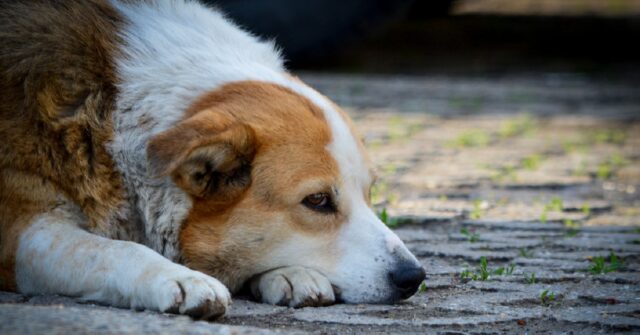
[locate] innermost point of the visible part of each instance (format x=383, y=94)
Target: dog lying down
x=155, y=156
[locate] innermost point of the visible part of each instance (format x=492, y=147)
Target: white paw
x=293, y=286
x=183, y=291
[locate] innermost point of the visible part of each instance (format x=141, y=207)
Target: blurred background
x=505, y=129
x=448, y=36
x=504, y=103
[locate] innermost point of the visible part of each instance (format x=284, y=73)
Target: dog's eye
x=320, y=202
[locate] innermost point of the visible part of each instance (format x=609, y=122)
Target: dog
x=155, y=156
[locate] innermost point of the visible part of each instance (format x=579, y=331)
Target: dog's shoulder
x=57, y=80
x=56, y=54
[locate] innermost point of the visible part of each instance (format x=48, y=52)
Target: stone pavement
x=519, y=195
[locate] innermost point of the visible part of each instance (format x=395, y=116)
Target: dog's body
x=136, y=130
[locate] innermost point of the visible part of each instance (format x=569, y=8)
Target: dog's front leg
x=293, y=286
x=56, y=256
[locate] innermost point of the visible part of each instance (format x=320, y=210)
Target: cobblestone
x=539, y=176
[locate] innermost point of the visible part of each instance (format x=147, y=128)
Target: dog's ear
x=206, y=159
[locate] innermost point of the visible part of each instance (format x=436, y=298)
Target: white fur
x=294, y=286
x=56, y=256
x=174, y=52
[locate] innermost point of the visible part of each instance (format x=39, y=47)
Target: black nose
x=407, y=278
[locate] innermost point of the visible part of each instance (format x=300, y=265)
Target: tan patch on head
x=289, y=162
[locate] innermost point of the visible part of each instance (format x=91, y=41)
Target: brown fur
x=290, y=137
x=57, y=87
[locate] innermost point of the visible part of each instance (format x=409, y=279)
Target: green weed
x=525, y=253
x=547, y=297
x=401, y=129
x=508, y=271
x=523, y=125
x=571, y=146
x=391, y=222
x=472, y=138
x=543, y=217
x=392, y=197
x=504, y=172
x=483, y=272
x=476, y=212
x=390, y=168
x=572, y=228
x=554, y=205
x=572, y=232
x=617, y=160
x=397, y=129
x=568, y=223
x=380, y=193
x=610, y=136
x=586, y=209
x=604, y=171
x=378, y=190
x=600, y=265
x=465, y=274
x=423, y=287
x=607, y=168
x=413, y=128
x=532, y=162
x=473, y=237
x=530, y=279
x=375, y=143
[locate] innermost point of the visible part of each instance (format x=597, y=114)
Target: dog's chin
x=384, y=295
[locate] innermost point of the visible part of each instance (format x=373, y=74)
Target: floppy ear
x=205, y=160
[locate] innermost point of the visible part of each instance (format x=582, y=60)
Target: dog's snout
x=407, y=277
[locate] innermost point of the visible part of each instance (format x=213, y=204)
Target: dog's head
x=278, y=178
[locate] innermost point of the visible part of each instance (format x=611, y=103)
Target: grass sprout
x=473, y=237
x=391, y=222
x=530, y=278
x=547, y=297
x=423, y=287
x=484, y=273
x=600, y=265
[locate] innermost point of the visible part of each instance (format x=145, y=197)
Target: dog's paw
x=184, y=291
x=293, y=286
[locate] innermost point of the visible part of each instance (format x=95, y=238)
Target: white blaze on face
x=368, y=250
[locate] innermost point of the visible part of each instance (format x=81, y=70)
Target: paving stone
x=59, y=319
x=515, y=225
x=246, y=308
x=542, y=173
x=8, y=297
